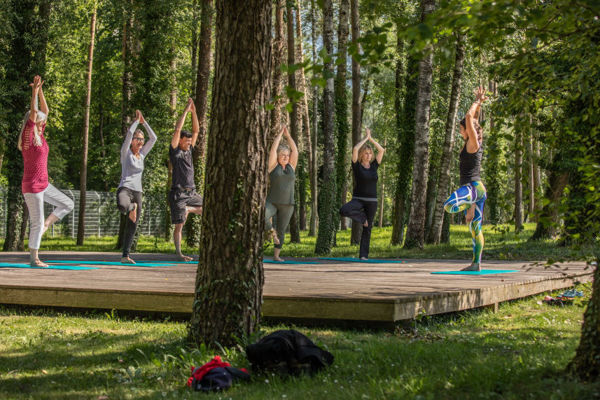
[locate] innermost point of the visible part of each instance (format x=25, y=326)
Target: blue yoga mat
x=482, y=272
x=288, y=262
x=111, y=263
x=358, y=260
x=66, y=267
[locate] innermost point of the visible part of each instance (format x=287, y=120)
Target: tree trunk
x=415, y=232
x=537, y=178
x=446, y=161
x=230, y=266
x=382, y=191
x=341, y=107
x=405, y=117
x=314, y=186
x=518, y=184
x=201, y=101
x=327, y=207
x=86, y=131
x=586, y=363
x=547, y=225
x=291, y=60
x=26, y=57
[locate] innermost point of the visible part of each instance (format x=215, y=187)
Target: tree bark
x=382, y=191
x=294, y=128
x=86, y=131
x=447, y=150
x=327, y=193
x=415, y=232
x=547, y=225
x=314, y=186
x=341, y=107
x=201, y=101
x=230, y=274
x=518, y=143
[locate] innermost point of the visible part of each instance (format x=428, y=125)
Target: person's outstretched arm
x=273, y=153
x=179, y=126
x=471, y=117
x=358, y=145
x=195, y=124
x=43, y=105
x=293, y=148
x=380, y=149
x=129, y=135
x=35, y=89
x=151, y=136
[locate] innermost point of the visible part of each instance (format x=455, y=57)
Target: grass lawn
x=517, y=353
x=501, y=244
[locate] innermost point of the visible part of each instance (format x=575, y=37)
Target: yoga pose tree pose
x=183, y=198
x=280, y=199
x=363, y=206
x=471, y=194
x=129, y=193
x=35, y=186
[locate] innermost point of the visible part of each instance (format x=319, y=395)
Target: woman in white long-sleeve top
x=129, y=193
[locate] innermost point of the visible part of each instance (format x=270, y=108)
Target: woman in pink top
x=35, y=186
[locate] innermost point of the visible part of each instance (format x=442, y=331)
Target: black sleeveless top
x=470, y=165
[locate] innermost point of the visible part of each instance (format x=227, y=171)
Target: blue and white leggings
x=465, y=197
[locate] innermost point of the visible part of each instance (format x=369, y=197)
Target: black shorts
x=179, y=200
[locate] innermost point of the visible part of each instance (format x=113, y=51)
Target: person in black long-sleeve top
x=363, y=206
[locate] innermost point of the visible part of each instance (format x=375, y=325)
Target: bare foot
x=279, y=259
x=364, y=258
x=275, y=238
x=184, y=257
x=470, y=214
x=366, y=224
x=127, y=260
x=133, y=213
x=38, y=263
x=472, y=267
x=44, y=229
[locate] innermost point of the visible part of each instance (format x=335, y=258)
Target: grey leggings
x=283, y=213
x=125, y=199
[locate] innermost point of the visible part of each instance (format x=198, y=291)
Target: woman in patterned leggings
x=471, y=194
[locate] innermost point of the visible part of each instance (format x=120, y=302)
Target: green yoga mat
x=358, y=260
x=288, y=262
x=482, y=272
x=111, y=263
x=65, y=267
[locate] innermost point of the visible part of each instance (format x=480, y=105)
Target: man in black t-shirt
x=183, y=198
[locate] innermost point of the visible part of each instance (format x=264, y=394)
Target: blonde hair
x=37, y=140
x=362, y=150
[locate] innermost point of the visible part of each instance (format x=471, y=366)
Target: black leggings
x=361, y=211
x=125, y=199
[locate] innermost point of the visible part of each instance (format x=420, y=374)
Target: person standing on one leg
x=35, y=186
x=129, y=193
x=183, y=198
x=471, y=195
x=282, y=178
x=363, y=206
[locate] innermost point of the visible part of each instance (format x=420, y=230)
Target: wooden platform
x=325, y=291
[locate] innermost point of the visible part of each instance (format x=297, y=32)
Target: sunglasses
x=139, y=139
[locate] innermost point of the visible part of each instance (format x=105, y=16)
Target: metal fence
x=102, y=217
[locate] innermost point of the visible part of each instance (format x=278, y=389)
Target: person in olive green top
x=280, y=199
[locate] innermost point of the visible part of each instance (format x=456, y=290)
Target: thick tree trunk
x=314, y=186
x=382, y=191
x=86, y=131
x=201, y=101
x=415, y=232
x=518, y=184
x=586, y=363
x=494, y=182
x=327, y=205
x=26, y=57
x=341, y=107
x=405, y=117
x=547, y=225
x=230, y=267
x=294, y=128
x=537, y=178
x=446, y=161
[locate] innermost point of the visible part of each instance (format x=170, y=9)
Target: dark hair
x=463, y=123
x=185, y=134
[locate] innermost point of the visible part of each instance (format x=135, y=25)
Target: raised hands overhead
x=480, y=94
x=139, y=117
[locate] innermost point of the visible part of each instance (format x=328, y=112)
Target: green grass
x=501, y=244
x=517, y=353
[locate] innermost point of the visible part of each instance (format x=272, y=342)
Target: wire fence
x=102, y=218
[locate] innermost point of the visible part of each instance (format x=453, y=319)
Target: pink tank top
x=35, y=161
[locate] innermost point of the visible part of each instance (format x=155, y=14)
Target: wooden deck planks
x=338, y=291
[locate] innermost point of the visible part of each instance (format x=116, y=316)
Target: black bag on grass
x=288, y=352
